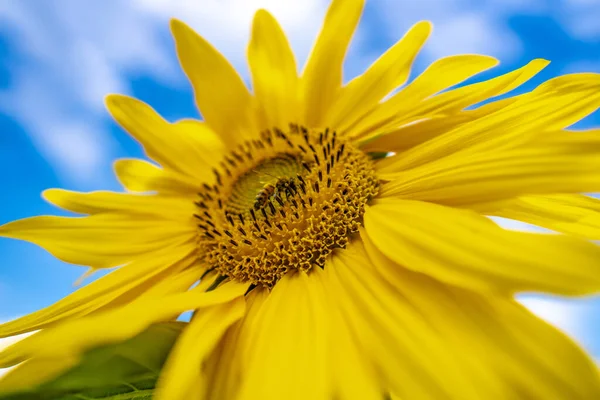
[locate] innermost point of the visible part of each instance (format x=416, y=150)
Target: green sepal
x=378, y=155
x=122, y=371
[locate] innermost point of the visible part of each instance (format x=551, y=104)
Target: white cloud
x=582, y=22
x=80, y=147
x=530, y=6
x=226, y=23
x=466, y=26
x=460, y=26
x=471, y=32
x=72, y=142
x=72, y=53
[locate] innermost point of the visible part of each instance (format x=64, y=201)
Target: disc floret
x=283, y=203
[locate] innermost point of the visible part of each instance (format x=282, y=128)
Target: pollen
x=281, y=203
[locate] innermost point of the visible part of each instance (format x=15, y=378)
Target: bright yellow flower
x=325, y=272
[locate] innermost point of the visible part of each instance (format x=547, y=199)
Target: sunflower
x=333, y=240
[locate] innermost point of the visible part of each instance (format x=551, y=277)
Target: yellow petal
x=407, y=353
x=502, y=348
x=160, y=207
x=463, y=248
x=32, y=373
x=449, y=104
x=74, y=337
x=204, y=144
x=225, y=369
x=100, y=241
x=170, y=145
x=458, y=99
x=416, y=133
x=118, y=287
x=274, y=73
x=348, y=372
x=574, y=214
x=182, y=373
x=142, y=176
x=440, y=75
x=554, y=105
x=322, y=76
x=288, y=352
x=354, y=376
x=411, y=135
x=220, y=93
x=386, y=74
x=181, y=281
x=556, y=162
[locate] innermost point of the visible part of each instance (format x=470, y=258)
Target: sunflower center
x=264, y=183
x=283, y=203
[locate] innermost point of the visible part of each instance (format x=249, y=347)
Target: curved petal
x=204, y=143
x=34, y=372
x=290, y=325
x=159, y=207
x=386, y=74
x=274, y=73
x=503, y=350
x=413, y=134
x=440, y=75
x=26, y=375
x=554, y=105
x=118, y=324
x=171, y=145
x=406, y=353
x=449, y=104
x=573, y=214
x=225, y=368
x=220, y=93
x=354, y=372
x=556, y=162
x=75, y=337
x=182, y=373
x=322, y=76
x=408, y=136
x=463, y=248
x=142, y=176
x=115, y=289
x=103, y=240
x=458, y=99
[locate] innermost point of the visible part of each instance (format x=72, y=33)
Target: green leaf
x=122, y=371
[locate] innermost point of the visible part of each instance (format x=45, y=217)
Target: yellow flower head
x=317, y=268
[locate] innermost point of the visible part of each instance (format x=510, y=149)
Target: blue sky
x=58, y=59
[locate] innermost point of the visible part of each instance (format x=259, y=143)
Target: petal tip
x=9, y=230
x=493, y=61
x=262, y=13
x=426, y=25
x=541, y=61
x=50, y=194
x=182, y=33
x=120, y=164
x=177, y=26
x=114, y=99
